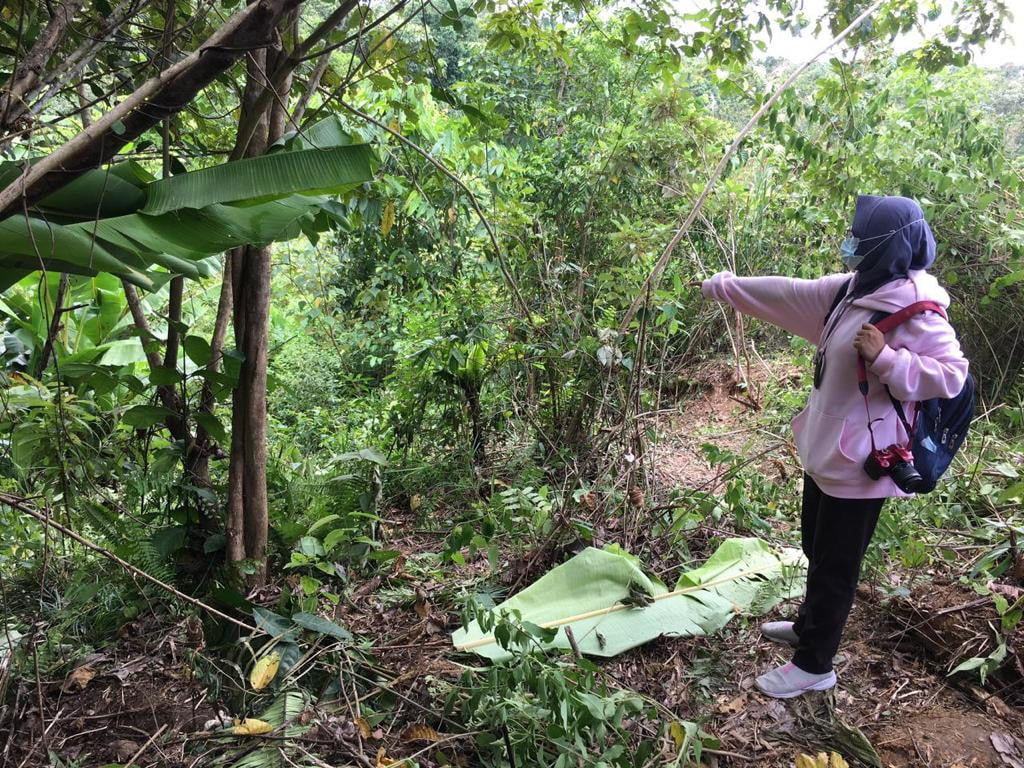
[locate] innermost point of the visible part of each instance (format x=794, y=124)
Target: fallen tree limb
x=652, y=279
x=21, y=505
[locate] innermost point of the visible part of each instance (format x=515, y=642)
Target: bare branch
x=27, y=73
x=22, y=505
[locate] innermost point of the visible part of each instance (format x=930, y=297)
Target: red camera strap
x=885, y=325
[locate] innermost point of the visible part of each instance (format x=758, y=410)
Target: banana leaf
x=22, y=236
x=278, y=174
x=612, y=605
x=122, y=221
x=273, y=753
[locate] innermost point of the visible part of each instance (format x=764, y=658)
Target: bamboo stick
x=614, y=608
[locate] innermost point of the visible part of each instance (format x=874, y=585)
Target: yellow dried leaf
x=420, y=733
x=250, y=726
x=806, y=761
x=837, y=761
x=383, y=761
x=675, y=729
x=364, y=727
x=264, y=671
x=79, y=678
x=387, y=219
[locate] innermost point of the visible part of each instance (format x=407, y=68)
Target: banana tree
x=121, y=221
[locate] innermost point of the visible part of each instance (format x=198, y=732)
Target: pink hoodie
x=921, y=360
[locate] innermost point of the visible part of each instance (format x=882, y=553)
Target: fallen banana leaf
x=282, y=718
x=596, y=593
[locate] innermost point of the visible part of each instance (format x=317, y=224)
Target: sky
x=797, y=49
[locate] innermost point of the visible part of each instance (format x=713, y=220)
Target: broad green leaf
x=213, y=427
x=365, y=454
x=270, y=622
x=123, y=352
x=144, y=416
x=167, y=541
x=198, y=349
x=25, y=242
x=598, y=592
x=277, y=174
x=98, y=193
x=162, y=376
x=323, y=626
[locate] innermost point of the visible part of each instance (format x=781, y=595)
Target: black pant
x=835, y=534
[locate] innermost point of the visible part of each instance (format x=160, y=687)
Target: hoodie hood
x=894, y=239
x=896, y=294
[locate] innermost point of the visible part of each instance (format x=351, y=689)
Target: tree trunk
x=236, y=465
x=250, y=285
x=197, y=464
x=256, y=294
x=264, y=119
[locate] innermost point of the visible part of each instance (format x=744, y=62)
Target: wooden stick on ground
x=22, y=506
x=652, y=279
x=145, y=746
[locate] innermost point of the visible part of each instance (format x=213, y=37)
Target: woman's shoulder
x=927, y=287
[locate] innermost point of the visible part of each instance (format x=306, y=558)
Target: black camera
x=898, y=462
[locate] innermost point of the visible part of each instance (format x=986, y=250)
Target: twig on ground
x=19, y=504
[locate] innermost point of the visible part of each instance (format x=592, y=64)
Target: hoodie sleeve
x=927, y=361
x=798, y=306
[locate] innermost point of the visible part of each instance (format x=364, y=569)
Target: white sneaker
x=781, y=632
x=789, y=680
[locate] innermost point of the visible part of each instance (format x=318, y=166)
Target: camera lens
x=906, y=477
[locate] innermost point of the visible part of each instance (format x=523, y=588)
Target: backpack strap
x=885, y=323
x=889, y=322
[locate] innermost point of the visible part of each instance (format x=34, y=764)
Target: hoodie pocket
x=826, y=445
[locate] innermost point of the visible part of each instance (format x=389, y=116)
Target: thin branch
x=160, y=96
x=28, y=72
x=22, y=506
x=351, y=38
x=655, y=275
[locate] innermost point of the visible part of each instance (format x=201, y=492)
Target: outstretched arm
x=798, y=306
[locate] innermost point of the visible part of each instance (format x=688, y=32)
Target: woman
x=889, y=248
